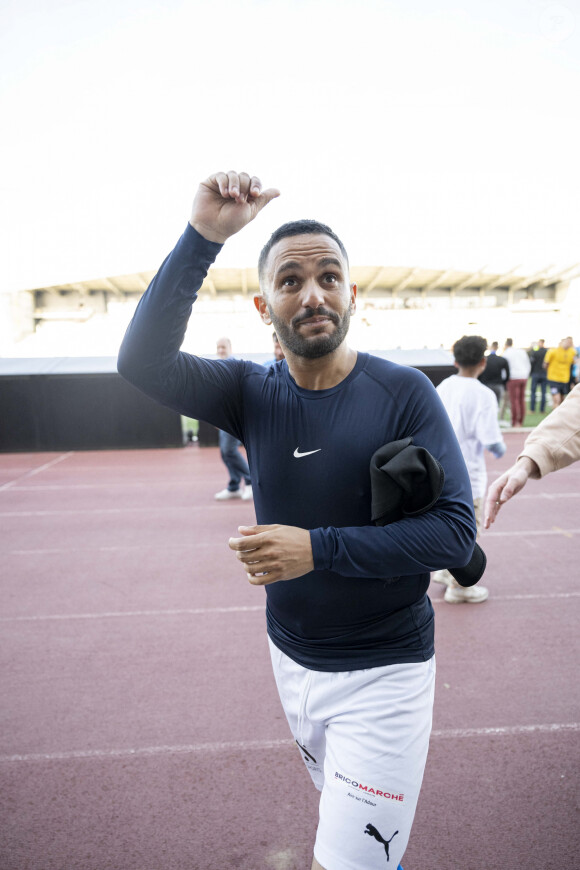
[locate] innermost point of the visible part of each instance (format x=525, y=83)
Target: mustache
x=321, y=311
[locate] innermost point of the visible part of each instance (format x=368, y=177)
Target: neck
x=322, y=373
x=469, y=372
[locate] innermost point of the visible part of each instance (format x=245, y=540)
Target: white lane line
x=229, y=746
x=508, y=731
x=193, y=611
x=209, y=508
x=163, y=483
x=51, y=551
x=551, y=496
x=81, y=487
x=494, y=473
x=12, y=483
x=539, y=596
x=188, y=509
x=131, y=485
x=261, y=745
x=524, y=532
x=193, y=545
x=203, y=611
x=113, y=484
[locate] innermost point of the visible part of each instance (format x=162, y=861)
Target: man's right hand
x=226, y=202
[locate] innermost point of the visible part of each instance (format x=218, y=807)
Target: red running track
x=140, y=727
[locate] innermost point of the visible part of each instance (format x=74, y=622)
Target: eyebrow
x=330, y=261
x=290, y=266
x=293, y=265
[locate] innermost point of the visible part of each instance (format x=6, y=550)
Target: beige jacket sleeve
x=555, y=442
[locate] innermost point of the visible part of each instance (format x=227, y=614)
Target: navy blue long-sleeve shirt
x=365, y=602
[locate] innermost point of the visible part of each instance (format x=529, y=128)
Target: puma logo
x=307, y=755
x=372, y=831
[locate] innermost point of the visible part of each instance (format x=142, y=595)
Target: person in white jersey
x=472, y=409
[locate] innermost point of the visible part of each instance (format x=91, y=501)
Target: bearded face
x=311, y=346
x=307, y=295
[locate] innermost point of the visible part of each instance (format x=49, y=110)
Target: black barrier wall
x=79, y=410
x=84, y=404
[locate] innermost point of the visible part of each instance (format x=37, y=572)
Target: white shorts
x=364, y=737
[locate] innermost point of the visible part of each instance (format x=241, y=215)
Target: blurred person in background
x=520, y=366
x=539, y=376
x=574, y=379
x=235, y=463
x=496, y=373
x=558, y=364
x=278, y=351
x=472, y=410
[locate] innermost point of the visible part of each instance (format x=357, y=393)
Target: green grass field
x=189, y=425
x=532, y=417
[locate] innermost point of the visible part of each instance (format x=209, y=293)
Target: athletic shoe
x=466, y=594
x=225, y=494
x=247, y=493
x=442, y=577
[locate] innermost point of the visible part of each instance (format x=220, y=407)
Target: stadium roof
x=375, y=280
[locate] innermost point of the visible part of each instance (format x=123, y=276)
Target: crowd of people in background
x=554, y=370
x=468, y=397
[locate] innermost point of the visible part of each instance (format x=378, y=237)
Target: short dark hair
x=303, y=227
x=469, y=350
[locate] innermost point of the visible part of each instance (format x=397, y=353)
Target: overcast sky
x=425, y=133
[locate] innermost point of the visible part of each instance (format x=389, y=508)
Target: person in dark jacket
x=496, y=373
x=539, y=374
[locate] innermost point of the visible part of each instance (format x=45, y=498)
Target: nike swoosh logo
x=298, y=455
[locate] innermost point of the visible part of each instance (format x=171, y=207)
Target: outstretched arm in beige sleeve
x=554, y=444
x=507, y=485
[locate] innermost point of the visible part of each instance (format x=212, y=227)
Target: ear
x=262, y=308
x=353, y=289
